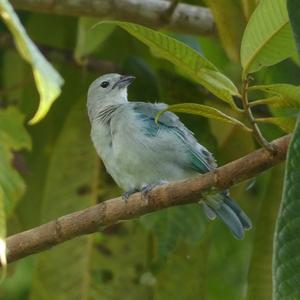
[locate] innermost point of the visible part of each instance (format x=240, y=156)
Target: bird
x=140, y=152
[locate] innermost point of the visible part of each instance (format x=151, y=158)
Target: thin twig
x=256, y=131
x=112, y=211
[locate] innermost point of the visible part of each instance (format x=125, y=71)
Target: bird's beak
x=124, y=81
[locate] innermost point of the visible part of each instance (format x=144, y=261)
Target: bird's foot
x=147, y=188
x=126, y=195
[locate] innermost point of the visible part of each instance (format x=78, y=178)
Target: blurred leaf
x=186, y=59
x=48, y=81
x=293, y=7
x=260, y=269
x=89, y=38
x=92, y=265
x=230, y=21
x=148, y=86
x=13, y=136
x=18, y=282
x=172, y=225
x=249, y=7
x=185, y=273
x=287, y=240
x=285, y=123
x=202, y=110
x=267, y=38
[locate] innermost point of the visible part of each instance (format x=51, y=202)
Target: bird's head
x=108, y=89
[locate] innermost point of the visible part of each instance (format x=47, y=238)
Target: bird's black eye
x=104, y=84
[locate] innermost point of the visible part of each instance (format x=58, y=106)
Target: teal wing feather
x=200, y=159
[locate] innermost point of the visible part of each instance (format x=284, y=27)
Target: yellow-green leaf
x=204, y=111
x=285, y=123
x=47, y=79
x=284, y=95
x=185, y=58
x=267, y=38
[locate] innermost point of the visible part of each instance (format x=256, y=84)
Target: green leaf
x=190, y=262
x=230, y=21
x=284, y=95
x=186, y=59
x=48, y=81
x=173, y=225
x=293, y=7
x=202, y=110
x=101, y=265
x=260, y=269
x=89, y=37
x=287, y=239
x=267, y=38
x=13, y=136
x=285, y=123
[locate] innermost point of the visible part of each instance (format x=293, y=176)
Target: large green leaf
x=267, y=38
x=186, y=59
x=48, y=81
x=188, y=261
x=260, y=269
x=89, y=38
x=98, y=266
x=287, y=239
x=173, y=225
x=203, y=110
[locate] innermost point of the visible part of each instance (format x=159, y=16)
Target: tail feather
x=208, y=211
x=221, y=205
x=245, y=220
x=228, y=216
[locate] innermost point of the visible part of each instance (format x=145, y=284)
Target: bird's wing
x=200, y=159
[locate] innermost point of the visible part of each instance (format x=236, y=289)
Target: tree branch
x=111, y=211
x=185, y=18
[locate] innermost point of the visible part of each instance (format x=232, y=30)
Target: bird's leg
x=147, y=188
x=126, y=195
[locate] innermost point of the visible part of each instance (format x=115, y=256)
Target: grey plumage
x=138, y=152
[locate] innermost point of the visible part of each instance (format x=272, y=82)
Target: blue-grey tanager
x=140, y=153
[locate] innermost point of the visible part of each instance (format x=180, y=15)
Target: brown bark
x=111, y=211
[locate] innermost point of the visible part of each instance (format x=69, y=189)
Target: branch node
x=58, y=231
x=216, y=176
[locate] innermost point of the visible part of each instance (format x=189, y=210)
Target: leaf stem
x=247, y=109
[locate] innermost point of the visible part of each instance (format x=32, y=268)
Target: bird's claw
x=126, y=195
x=146, y=189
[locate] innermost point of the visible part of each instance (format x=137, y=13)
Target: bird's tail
x=223, y=206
